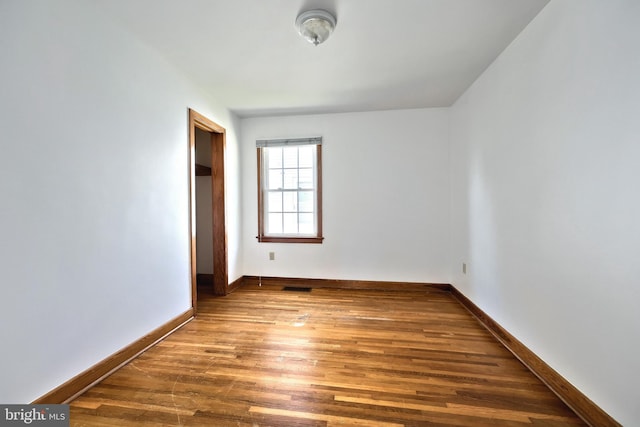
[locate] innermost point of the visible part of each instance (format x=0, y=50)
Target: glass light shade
x=315, y=25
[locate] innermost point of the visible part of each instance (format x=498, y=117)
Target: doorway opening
x=207, y=159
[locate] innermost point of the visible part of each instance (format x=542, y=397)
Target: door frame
x=218, y=151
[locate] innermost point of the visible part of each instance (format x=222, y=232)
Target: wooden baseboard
x=235, y=284
x=591, y=413
x=345, y=284
x=83, y=381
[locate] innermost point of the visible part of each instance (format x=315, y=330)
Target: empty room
x=320, y=212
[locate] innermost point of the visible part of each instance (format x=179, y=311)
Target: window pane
x=275, y=157
x=290, y=201
x=274, y=223
x=290, y=155
x=305, y=201
x=275, y=179
x=306, y=223
x=289, y=190
x=291, y=179
x=305, y=178
x=275, y=201
x=306, y=155
x=290, y=223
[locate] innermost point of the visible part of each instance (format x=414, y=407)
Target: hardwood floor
x=262, y=356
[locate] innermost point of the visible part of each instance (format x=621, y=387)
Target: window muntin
x=289, y=198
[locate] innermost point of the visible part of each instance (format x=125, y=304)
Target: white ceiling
x=383, y=54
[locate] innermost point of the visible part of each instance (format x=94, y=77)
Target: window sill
x=289, y=239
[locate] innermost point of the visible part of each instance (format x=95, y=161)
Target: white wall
x=545, y=202
x=94, y=232
x=385, y=197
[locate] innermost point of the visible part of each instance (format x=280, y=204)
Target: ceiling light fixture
x=315, y=25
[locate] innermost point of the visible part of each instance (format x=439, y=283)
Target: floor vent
x=296, y=289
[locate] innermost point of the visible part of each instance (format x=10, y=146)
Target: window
x=290, y=190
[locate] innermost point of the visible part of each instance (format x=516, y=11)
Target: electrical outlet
x=464, y=268
x=272, y=256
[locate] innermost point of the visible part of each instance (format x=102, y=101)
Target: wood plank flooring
x=262, y=356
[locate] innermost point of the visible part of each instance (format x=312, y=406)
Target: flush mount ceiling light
x=315, y=25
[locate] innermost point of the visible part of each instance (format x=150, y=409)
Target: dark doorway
x=202, y=128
